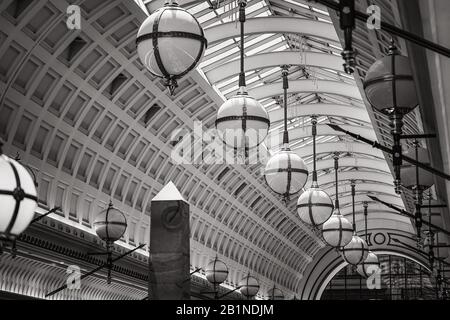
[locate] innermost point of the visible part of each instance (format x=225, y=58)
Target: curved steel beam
x=274, y=59
x=307, y=86
x=360, y=187
x=378, y=164
x=273, y=24
x=380, y=219
x=342, y=147
x=347, y=200
x=304, y=132
x=319, y=109
x=355, y=175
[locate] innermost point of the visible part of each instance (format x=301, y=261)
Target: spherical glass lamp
x=369, y=265
x=249, y=286
x=18, y=198
x=286, y=173
x=110, y=224
x=408, y=171
x=216, y=272
x=314, y=206
x=356, y=251
x=275, y=294
x=171, y=43
x=378, y=84
x=337, y=231
x=242, y=122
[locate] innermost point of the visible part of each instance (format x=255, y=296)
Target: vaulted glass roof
x=105, y=124
x=302, y=34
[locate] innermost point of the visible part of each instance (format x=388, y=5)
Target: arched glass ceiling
x=90, y=139
x=299, y=33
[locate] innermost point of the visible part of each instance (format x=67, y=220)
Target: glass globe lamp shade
x=249, y=286
x=369, y=265
x=110, y=224
x=337, y=231
x=286, y=173
x=242, y=122
x=18, y=198
x=170, y=42
x=314, y=206
x=356, y=251
x=216, y=272
x=275, y=294
x=408, y=170
x=378, y=85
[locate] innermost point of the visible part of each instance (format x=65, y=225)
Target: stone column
x=169, y=246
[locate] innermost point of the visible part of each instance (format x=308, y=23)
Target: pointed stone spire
x=169, y=193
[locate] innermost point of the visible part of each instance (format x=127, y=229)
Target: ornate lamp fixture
x=275, y=294
x=337, y=231
x=371, y=263
x=413, y=177
x=417, y=180
x=347, y=24
x=314, y=206
x=249, y=286
x=110, y=225
x=216, y=273
x=170, y=43
x=389, y=87
x=356, y=251
x=286, y=173
x=242, y=121
x=17, y=197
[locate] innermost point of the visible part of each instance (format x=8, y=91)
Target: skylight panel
x=219, y=46
x=196, y=9
x=320, y=11
x=254, y=79
x=206, y=17
x=265, y=46
x=282, y=48
x=335, y=47
x=254, y=7
x=298, y=4
x=323, y=20
x=232, y=89
x=227, y=82
x=258, y=39
x=220, y=56
x=263, y=14
x=269, y=72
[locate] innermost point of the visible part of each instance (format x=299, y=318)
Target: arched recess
x=273, y=59
x=307, y=27
x=328, y=262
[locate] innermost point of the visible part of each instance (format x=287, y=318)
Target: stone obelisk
x=169, y=263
